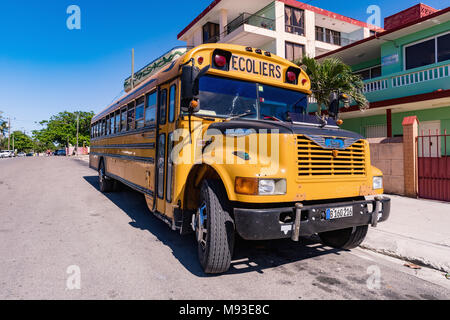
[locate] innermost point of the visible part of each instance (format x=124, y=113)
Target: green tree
x=62, y=128
x=3, y=126
x=333, y=75
x=22, y=142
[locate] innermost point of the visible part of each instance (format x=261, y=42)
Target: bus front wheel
x=214, y=228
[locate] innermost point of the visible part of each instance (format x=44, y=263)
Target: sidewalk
x=417, y=231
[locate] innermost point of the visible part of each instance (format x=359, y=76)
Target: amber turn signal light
x=194, y=104
x=246, y=185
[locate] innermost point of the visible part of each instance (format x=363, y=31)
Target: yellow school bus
x=220, y=142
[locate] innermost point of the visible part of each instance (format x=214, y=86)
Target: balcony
x=249, y=19
x=402, y=84
x=409, y=82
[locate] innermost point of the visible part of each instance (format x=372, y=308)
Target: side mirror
x=335, y=99
x=333, y=108
x=190, y=77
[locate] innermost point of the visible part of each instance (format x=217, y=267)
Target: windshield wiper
x=248, y=113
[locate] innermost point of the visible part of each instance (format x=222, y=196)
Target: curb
x=420, y=252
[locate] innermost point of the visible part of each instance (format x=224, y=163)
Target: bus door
x=164, y=168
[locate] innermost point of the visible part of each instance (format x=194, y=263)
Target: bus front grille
x=314, y=160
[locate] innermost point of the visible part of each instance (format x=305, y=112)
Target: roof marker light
x=291, y=76
x=220, y=61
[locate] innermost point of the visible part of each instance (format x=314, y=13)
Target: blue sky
x=46, y=68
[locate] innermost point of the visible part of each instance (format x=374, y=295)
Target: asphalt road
x=53, y=217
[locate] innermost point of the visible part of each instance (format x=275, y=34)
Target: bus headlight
x=377, y=183
x=255, y=186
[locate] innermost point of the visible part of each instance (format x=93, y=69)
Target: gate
x=433, y=165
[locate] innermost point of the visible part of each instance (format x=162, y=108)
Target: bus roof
x=245, y=64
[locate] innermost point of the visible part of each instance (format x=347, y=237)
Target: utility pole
x=78, y=124
x=14, y=138
x=132, y=69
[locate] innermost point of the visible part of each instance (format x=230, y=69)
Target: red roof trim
x=377, y=35
x=293, y=3
x=208, y=9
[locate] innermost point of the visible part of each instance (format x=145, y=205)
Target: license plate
x=342, y=212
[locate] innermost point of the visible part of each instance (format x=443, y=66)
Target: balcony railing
x=250, y=19
x=341, y=41
x=298, y=30
x=408, y=78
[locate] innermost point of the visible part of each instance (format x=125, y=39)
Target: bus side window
x=111, y=124
x=102, y=133
x=150, y=109
x=130, y=119
x=172, y=101
x=140, y=112
x=108, y=123
x=163, y=107
x=123, y=120
x=117, y=122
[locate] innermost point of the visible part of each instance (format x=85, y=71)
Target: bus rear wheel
x=214, y=228
x=105, y=183
x=348, y=238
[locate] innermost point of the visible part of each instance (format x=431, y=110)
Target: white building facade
x=287, y=28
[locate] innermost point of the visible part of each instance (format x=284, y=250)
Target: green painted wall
x=358, y=124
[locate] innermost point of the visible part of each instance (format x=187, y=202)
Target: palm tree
x=330, y=76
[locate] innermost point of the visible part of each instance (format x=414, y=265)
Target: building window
x=328, y=36
x=369, y=73
x=211, y=32
x=427, y=52
x=294, y=51
x=294, y=20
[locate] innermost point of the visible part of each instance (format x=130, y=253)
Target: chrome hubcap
x=199, y=225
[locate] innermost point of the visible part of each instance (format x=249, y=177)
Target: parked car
x=6, y=154
x=21, y=154
x=61, y=152
x=30, y=154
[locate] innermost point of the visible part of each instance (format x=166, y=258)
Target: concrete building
x=406, y=72
x=287, y=28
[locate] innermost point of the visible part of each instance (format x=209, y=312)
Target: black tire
x=345, y=238
x=105, y=184
x=215, y=250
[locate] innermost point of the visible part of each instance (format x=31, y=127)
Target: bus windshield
x=226, y=98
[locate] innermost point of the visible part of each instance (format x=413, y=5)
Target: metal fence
x=433, y=161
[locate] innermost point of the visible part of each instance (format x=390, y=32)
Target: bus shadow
x=249, y=256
